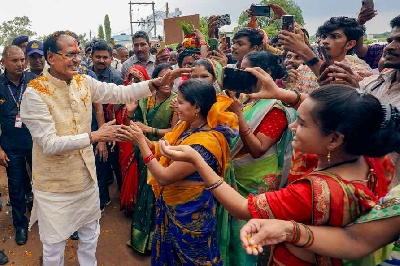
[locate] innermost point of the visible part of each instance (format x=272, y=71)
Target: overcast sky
x=82, y=16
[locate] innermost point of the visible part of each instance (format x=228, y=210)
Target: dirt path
x=111, y=251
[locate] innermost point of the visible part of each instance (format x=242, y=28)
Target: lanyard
x=20, y=93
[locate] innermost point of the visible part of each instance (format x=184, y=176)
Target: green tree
x=107, y=28
x=82, y=39
x=272, y=28
x=204, y=27
x=13, y=28
x=100, y=33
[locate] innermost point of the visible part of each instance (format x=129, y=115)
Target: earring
x=196, y=114
x=328, y=157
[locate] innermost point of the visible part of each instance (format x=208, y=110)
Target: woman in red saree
x=343, y=128
x=127, y=159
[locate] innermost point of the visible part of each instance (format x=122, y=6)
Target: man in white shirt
x=56, y=108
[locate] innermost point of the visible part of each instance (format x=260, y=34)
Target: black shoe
x=21, y=236
x=3, y=258
x=74, y=236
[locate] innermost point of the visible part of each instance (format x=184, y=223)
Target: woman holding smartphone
x=261, y=152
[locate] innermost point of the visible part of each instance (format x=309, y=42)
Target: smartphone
x=288, y=23
x=213, y=43
x=324, y=55
x=368, y=4
x=260, y=11
x=238, y=80
x=224, y=20
x=228, y=42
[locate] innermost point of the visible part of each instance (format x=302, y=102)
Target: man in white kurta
x=57, y=108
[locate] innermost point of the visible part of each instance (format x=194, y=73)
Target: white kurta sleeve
x=36, y=116
x=103, y=92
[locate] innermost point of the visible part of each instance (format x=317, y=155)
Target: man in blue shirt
x=106, y=158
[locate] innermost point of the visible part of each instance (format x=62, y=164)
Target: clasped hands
x=338, y=73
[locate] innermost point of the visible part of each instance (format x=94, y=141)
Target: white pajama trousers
x=53, y=254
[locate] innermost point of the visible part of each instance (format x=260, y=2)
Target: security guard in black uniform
x=15, y=139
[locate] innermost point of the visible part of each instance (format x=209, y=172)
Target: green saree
x=257, y=176
x=144, y=216
x=388, y=207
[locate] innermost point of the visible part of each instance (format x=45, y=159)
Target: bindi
x=76, y=48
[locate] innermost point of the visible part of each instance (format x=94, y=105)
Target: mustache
x=390, y=53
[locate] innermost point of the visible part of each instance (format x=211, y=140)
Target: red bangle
x=147, y=159
x=312, y=240
x=295, y=234
x=245, y=133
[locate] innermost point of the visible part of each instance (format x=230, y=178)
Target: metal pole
x=130, y=15
x=154, y=20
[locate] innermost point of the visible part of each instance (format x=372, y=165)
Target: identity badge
x=18, y=121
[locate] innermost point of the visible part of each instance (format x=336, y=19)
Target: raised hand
x=171, y=75
x=237, y=104
x=269, y=89
x=291, y=78
x=278, y=12
x=365, y=15
x=219, y=57
x=292, y=41
x=212, y=26
x=338, y=73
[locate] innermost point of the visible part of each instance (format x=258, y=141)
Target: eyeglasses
x=70, y=56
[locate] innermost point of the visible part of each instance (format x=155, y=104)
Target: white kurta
x=62, y=213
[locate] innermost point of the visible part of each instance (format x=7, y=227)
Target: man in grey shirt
x=142, y=56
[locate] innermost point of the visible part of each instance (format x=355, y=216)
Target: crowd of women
x=199, y=162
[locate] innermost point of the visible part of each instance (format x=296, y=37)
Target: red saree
x=129, y=169
x=319, y=198
x=127, y=158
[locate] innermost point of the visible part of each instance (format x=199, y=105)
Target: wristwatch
x=312, y=62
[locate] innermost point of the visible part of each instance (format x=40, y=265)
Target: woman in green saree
x=155, y=117
x=262, y=149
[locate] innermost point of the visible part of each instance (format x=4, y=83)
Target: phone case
x=213, y=43
x=238, y=80
x=288, y=23
x=264, y=11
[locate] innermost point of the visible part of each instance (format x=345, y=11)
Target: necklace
x=155, y=98
x=338, y=164
x=189, y=132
